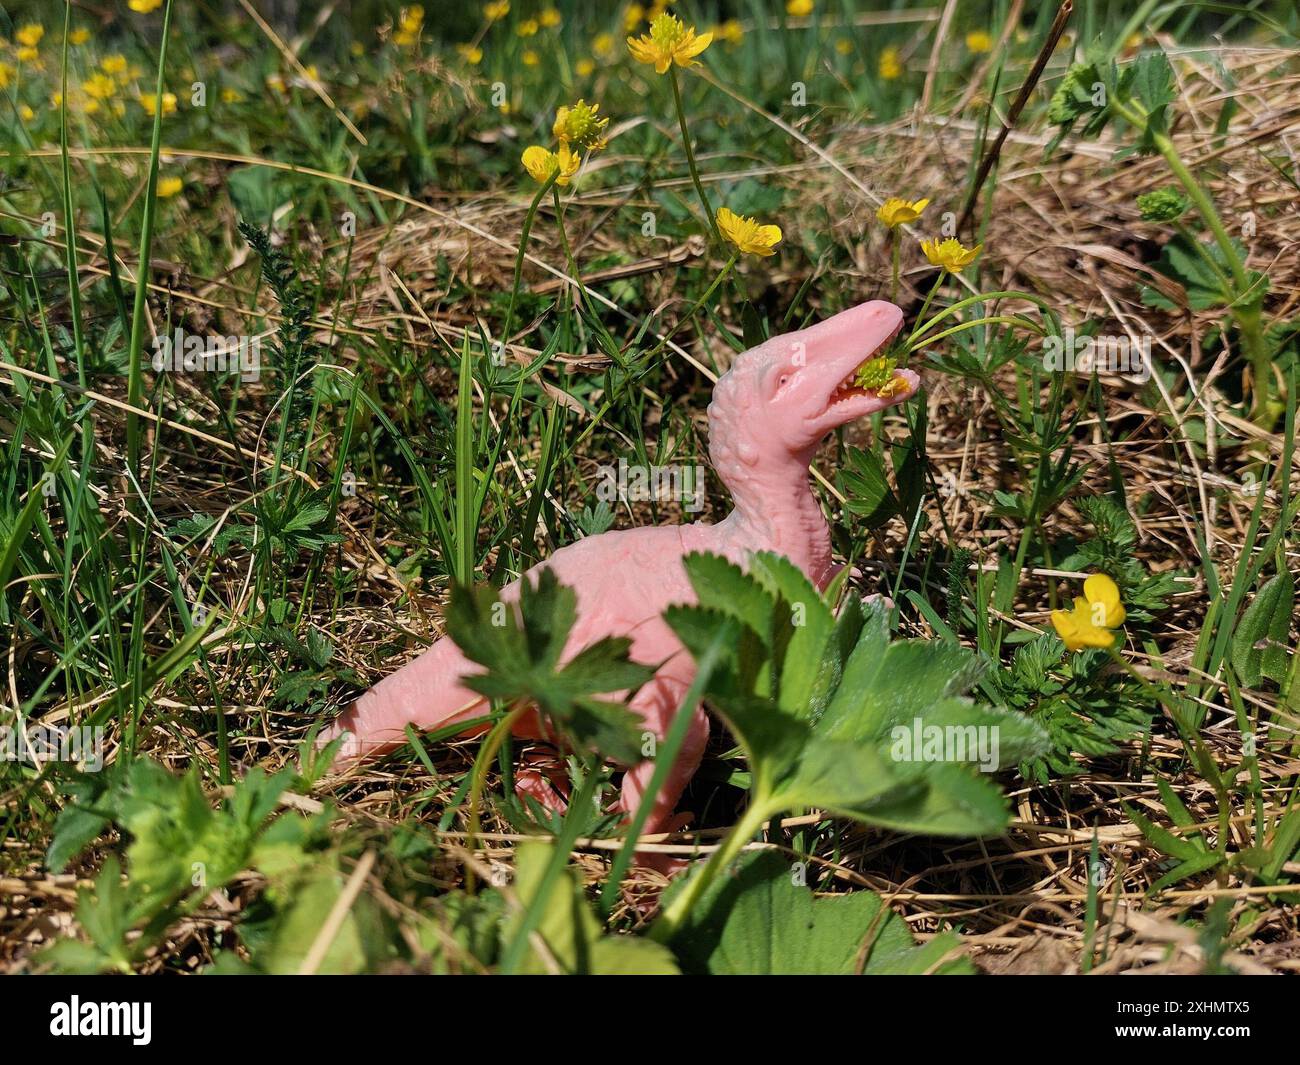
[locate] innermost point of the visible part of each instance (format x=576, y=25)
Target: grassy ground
x=200, y=568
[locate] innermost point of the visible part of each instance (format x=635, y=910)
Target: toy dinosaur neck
x=775, y=510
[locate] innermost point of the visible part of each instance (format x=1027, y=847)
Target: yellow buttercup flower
x=143, y=7
x=580, y=125
x=584, y=68
x=29, y=36
x=633, y=16
x=896, y=386
x=6, y=73
x=891, y=66
x=231, y=95
x=99, y=86
x=799, y=8
x=747, y=234
x=730, y=31
x=471, y=53
x=541, y=163
x=950, y=254
x=25, y=113
x=27, y=54
x=169, y=186
x=79, y=36
x=496, y=10
x=529, y=58
x=896, y=211
x=549, y=17
x=979, y=42
x=113, y=64
x=1095, y=613
x=603, y=45
x=411, y=18
x=668, y=42
x=527, y=28
x=844, y=46
x=150, y=103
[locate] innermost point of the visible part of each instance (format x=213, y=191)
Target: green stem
x=1248, y=318
x=478, y=773
x=695, y=309
x=690, y=155
x=1003, y=318
x=519, y=258
x=916, y=327
x=670, y=920
x=896, y=256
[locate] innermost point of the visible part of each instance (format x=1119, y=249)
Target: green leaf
x=822, y=704
x=1161, y=838
x=570, y=930
x=1260, y=646
x=521, y=647
x=761, y=922
x=865, y=486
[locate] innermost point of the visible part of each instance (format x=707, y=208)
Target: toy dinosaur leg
x=657, y=704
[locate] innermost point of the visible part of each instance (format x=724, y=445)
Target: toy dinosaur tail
x=426, y=693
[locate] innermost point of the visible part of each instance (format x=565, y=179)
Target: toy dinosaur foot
x=542, y=777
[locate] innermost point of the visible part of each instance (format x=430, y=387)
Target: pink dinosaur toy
x=769, y=412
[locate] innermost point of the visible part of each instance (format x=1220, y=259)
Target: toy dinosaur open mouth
x=874, y=376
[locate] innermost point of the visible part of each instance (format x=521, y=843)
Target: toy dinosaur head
x=781, y=398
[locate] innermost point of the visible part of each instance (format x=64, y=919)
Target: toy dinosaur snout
x=812, y=372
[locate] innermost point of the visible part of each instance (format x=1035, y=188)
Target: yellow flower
x=896, y=212
x=579, y=125
x=405, y=38
x=25, y=113
x=527, y=28
x=230, y=95
x=746, y=233
x=950, y=254
x=27, y=54
x=668, y=42
x=150, y=104
x=633, y=16
x=79, y=36
x=844, y=46
x=113, y=64
x=549, y=17
x=29, y=36
x=496, y=10
x=471, y=53
x=411, y=18
x=143, y=7
x=275, y=83
x=584, y=68
x=978, y=41
x=169, y=186
x=603, y=45
x=99, y=86
x=1095, y=614
x=541, y=163
x=529, y=58
x=357, y=49
x=730, y=31
x=799, y=8
x=6, y=73
x=891, y=67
